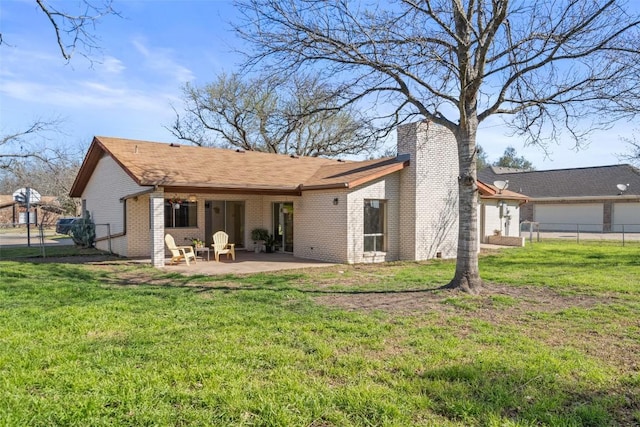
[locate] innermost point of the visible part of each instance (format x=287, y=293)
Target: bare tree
x=19, y=144
x=544, y=65
x=26, y=160
x=74, y=30
x=633, y=151
x=51, y=175
x=292, y=115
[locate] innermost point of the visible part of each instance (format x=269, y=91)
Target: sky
x=147, y=56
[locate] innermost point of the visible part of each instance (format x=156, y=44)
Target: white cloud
x=111, y=65
x=161, y=61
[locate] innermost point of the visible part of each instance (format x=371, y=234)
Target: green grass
x=554, y=343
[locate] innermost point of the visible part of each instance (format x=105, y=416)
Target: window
x=181, y=215
x=375, y=229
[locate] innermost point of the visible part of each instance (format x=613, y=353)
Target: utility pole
x=28, y=204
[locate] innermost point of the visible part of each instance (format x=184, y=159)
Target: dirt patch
x=520, y=299
x=77, y=259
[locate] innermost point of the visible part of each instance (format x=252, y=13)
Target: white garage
x=566, y=217
x=627, y=214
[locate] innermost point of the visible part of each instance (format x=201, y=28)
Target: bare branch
x=633, y=152
x=294, y=115
x=74, y=31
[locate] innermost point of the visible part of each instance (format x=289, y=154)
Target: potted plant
x=259, y=237
x=270, y=243
x=195, y=242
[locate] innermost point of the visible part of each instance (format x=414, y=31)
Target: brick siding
x=429, y=192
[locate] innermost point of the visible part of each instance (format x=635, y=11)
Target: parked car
x=63, y=225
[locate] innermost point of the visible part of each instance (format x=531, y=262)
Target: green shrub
x=259, y=234
x=83, y=231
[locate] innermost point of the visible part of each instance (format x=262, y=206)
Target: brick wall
x=138, y=227
x=429, y=192
x=156, y=217
x=506, y=240
x=320, y=226
x=388, y=189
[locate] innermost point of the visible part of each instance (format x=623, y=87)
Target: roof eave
x=630, y=197
x=359, y=181
x=234, y=189
x=86, y=169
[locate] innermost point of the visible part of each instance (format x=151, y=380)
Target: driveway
x=20, y=239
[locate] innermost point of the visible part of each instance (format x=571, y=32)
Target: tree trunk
x=467, y=276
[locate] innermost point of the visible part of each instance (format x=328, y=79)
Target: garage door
x=567, y=217
x=627, y=214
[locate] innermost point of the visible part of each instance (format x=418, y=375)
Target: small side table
x=203, y=249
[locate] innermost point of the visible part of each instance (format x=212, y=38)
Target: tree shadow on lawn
x=488, y=391
x=126, y=273
x=349, y=294
x=289, y=282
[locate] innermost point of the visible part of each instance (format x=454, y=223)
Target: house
x=592, y=199
x=499, y=212
x=400, y=208
x=12, y=213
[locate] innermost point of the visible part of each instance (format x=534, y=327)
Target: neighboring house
x=402, y=208
x=13, y=214
x=499, y=212
x=585, y=199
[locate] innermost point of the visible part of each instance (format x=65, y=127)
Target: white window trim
x=384, y=233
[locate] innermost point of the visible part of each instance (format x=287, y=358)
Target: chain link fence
x=43, y=235
x=539, y=231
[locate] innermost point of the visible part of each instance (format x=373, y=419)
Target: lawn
x=554, y=341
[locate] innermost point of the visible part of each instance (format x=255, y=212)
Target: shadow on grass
x=130, y=273
x=489, y=391
x=255, y=282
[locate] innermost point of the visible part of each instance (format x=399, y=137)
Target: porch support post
x=156, y=205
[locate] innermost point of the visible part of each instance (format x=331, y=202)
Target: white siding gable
x=108, y=183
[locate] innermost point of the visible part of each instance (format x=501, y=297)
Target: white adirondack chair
x=221, y=245
x=179, y=253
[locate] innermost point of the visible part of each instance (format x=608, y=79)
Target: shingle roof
x=489, y=191
x=180, y=166
x=599, y=181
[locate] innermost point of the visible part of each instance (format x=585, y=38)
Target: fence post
x=109, y=234
x=622, y=234
x=578, y=233
x=42, y=250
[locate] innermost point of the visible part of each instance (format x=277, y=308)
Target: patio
x=246, y=263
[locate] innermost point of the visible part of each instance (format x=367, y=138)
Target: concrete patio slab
x=245, y=263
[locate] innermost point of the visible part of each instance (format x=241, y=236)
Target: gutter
x=325, y=186
x=139, y=193
x=631, y=197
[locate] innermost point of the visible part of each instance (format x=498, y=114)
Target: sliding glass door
x=283, y=225
x=227, y=216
